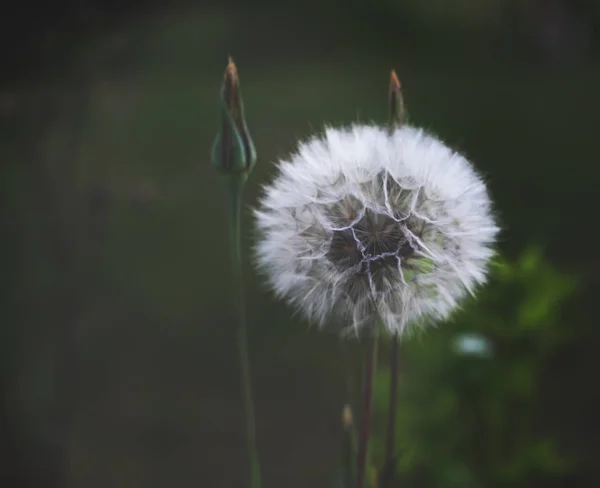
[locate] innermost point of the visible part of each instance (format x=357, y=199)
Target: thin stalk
x=397, y=119
x=390, y=447
x=365, y=432
x=235, y=195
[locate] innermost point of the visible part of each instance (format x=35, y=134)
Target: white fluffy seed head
x=361, y=227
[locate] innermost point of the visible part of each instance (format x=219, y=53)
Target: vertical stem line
x=235, y=196
x=390, y=447
x=365, y=432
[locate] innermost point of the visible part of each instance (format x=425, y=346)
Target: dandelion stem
x=365, y=432
x=235, y=195
x=397, y=119
x=390, y=447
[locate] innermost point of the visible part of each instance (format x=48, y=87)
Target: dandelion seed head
x=361, y=226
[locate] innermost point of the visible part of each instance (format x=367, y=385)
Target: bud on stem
x=233, y=153
x=233, y=150
x=348, y=460
x=397, y=119
x=396, y=103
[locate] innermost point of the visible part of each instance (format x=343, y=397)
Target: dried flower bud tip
x=396, y=102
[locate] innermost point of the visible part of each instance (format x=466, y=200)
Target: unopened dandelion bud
x=233, y=150
x=347, y=417
x=396, y=102
x=347, y=472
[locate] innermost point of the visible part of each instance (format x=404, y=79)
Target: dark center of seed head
x=376, y=239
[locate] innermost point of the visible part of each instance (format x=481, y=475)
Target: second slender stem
x=365, y=432
x=390, y=448
x=236, y=188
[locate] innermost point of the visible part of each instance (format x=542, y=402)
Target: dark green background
x=119, y=335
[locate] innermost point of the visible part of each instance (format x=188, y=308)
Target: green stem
x=365, y=433
x=235, y=196
x=390, y=451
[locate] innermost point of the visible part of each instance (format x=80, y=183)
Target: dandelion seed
x=362, y=225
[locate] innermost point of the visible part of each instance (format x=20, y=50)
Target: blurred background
x=119, y=362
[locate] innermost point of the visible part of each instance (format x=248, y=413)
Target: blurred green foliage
x=469, y=392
